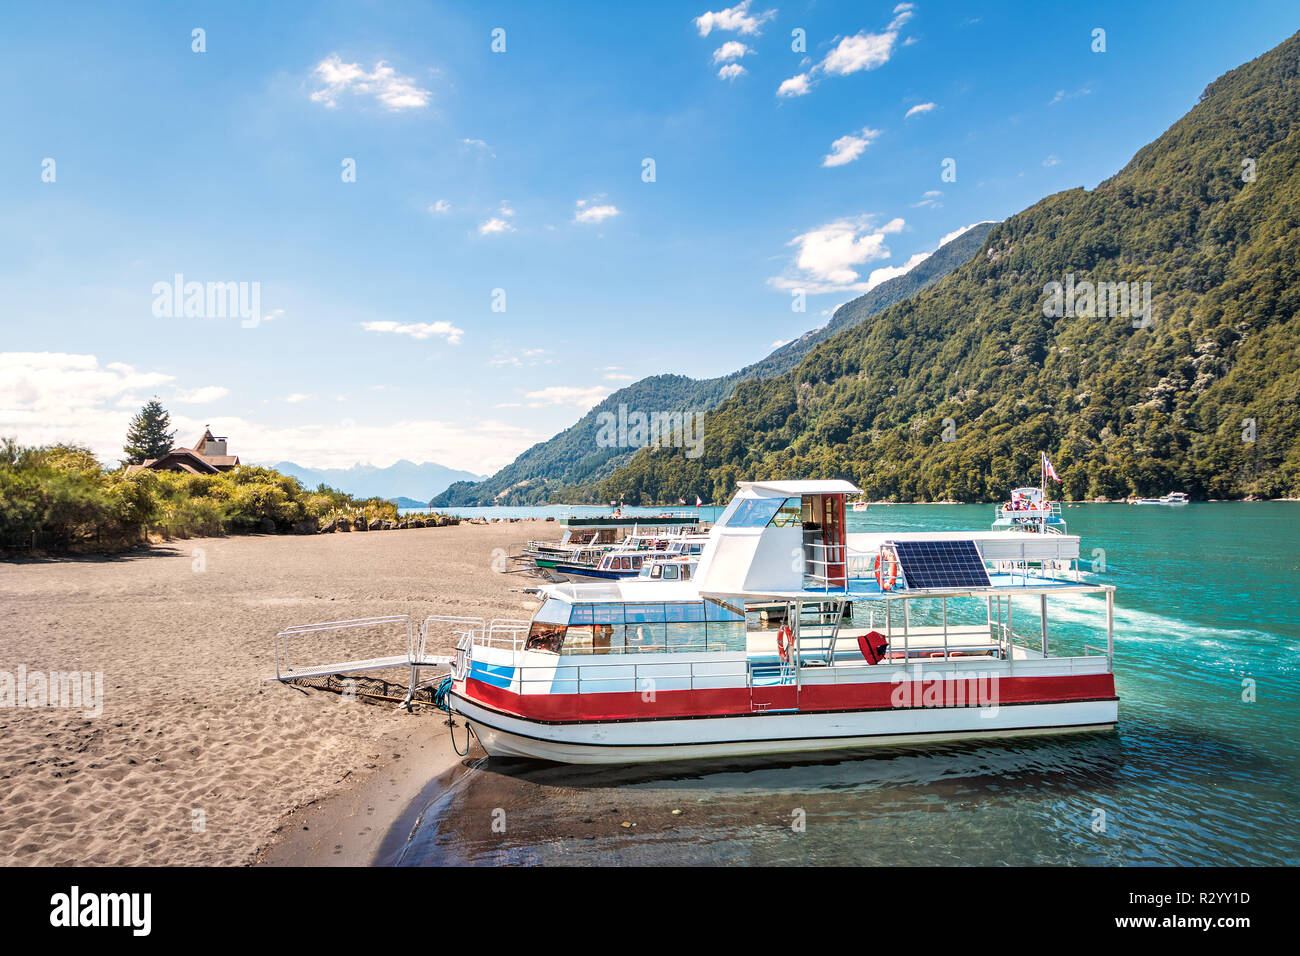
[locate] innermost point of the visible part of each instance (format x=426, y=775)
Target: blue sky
x=521, y=171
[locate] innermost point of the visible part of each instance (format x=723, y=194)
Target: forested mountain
x=564, y=467
x=1202, y=396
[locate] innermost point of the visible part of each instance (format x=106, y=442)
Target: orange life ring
x=880, y=571
x=782, y=647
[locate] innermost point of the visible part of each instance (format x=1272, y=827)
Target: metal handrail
x=298, y=630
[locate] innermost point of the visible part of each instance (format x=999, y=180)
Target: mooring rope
x=441, y=693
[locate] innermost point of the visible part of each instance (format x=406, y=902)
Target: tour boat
x=634, y=670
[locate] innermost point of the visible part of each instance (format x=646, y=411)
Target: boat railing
x=644, y=677
x=824, y=566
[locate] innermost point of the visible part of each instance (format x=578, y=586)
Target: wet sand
x=197, y=758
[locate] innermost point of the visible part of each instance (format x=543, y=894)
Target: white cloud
x=885, y=273
x=587, y=212
x=418, y=330
x=1052, y=160
x=494, y=225
x=964, y=229
x=852, y=54
x=394, y=91
x=929, y=200
x=848, y=148
x=731, y=71
x=201, y=396
x=583, y=397
x=440, y=207
x=919, y=108
x=617, y=377
x=48, y=397
x=736, y=19
x=828, y=258
x=296, y=397
x=731, y=50
x=795, y=86
x=862, y=51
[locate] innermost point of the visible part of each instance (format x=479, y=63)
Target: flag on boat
x=698, y=502
x=681, y=501
x=1048, y=469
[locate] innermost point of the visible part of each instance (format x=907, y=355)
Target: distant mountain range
x=556, y=469
x=400, y=480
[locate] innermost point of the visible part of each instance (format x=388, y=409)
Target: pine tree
x=148, y=436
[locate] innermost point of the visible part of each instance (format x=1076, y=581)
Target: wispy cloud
x=417, y=330
x=731, y=71
x=1052, y=160
x=201, y=396
x=588, y=211
x=383, y=83
x=1061, y=95
x=919, y=108
x=929, y=200
x=478, y=145
x=580, y=396
x=441, y=207
x=296, y=397
x=848, y=148
x=735, y=19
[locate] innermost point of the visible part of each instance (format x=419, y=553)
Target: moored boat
x=635, y=671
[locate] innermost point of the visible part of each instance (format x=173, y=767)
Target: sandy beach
x=197, y=758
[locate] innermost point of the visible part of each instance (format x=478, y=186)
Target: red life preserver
x=782, y=647
x=880, y=568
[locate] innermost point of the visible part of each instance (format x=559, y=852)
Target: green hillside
x=1121, y=410
x=564, y=468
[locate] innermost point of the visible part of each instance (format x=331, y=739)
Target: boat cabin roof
x=792, y=489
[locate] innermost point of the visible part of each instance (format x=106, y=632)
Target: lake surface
x=1194, y=774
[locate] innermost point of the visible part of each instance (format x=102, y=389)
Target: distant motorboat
x=1173, y=498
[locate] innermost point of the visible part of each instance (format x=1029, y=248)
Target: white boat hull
x=648, y=741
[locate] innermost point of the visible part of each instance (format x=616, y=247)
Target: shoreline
x=195, y=755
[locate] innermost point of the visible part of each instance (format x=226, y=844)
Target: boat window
x=543, y=636
x=554, y=612
x=723, y=611
x=607, y=613
x=636, y=562
x=644, y=613
x=684, y=611
x=656, y=571
x=646, y=637
x=725, y=635
x=789, y=515
x=686, y=572
x=670, y=573
x=753, y=513
x=578, y=640
x=582, y=614
x=686, y=638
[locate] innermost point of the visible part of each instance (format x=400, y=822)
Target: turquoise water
x=1194, y=774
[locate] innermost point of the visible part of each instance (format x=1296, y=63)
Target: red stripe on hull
x=730, y=701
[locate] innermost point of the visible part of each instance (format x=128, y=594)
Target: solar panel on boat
x=941, y=564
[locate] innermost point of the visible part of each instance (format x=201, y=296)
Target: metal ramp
x=413, y=654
